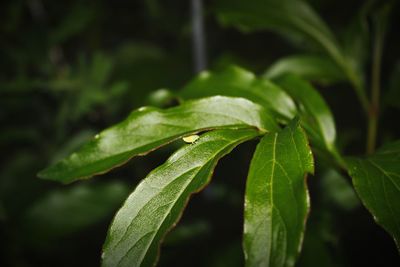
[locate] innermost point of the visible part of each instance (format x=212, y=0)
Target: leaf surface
x=148, y=128
x=308, y=66
x=316, y=115
x=377, y=182
x=292, y=18
x=356, y=39
x=238, y=82
x=277, y=201
x=157, y=203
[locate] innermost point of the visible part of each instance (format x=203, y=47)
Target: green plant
x=231, y=106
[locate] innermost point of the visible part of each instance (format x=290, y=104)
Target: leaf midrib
x=172, y=203
x=215, y=159
x=272, y=195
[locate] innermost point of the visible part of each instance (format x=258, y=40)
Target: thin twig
x=375, y=95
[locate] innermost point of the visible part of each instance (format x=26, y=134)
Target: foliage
x=301, y=114
x=376, y=180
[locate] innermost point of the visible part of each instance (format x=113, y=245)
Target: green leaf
x=308, y=66
x=377, y=182
x=74, y=142
x=157, y=203
x=277, y=201
x=292, y=18
x=238, y=82
x=338, y=191
x=356, y=39
x=63, y=212
x=295, y=19
x=316, y=116
x=148, y=128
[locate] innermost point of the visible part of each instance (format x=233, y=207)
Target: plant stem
x=375, y=93
x=198, y=36
x=359, y=89
x=380, y=26
x=354, y=79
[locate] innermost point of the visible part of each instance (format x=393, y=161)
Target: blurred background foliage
x=71, y=68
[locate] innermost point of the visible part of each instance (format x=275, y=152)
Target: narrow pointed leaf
x=377, y=182
x=277, y=201
x=238, y=82
x=296, y=20
x=316, y=116
x=356, y=38
x=292, y=18
x=157, y=203
x=308, y=66
x=148, y=128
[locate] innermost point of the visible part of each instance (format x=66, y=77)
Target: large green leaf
x=292, y=18
x=316, y=115
x=157, y=203
x=309, y=66
x=377, y=182
x=295, y=19
x=277, y=201
x=235, y=81
x=148, y=128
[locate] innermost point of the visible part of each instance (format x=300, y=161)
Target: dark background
x=71, y=68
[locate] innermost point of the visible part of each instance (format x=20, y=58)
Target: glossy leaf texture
x=238, y=82
x=292, y=18
x=312, y=67
x=148, y=128
x=297, y=20
x=157, y=203
x=316, y=115
x=277, y=201
x=377, y=182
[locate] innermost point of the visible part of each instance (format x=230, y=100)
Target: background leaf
x=238, y=82
x=338, y=192
x=377, y=182
x=277, y=201
x=63, y=212
x=292, y=18
x=356, y=39
x=312, y=67
x=157, y=203
x=148, y=128
x=316, y=116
